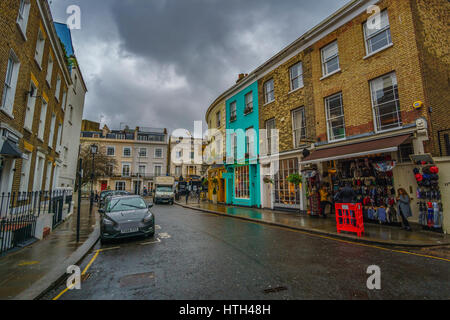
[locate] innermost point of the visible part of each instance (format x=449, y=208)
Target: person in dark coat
x=346, y=195
x=404, y=207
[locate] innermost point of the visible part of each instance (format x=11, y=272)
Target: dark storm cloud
x=160, y=63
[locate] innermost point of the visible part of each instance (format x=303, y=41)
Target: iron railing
x=19, y=212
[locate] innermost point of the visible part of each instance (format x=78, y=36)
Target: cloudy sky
x=161, y=63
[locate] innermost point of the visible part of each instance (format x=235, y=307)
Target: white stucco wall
x=71, y=131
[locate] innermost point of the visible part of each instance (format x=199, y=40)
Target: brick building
x=367, y=84
x=33, y=96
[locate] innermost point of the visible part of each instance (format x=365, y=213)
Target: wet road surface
x=196, y=255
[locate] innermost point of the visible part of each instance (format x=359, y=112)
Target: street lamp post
x=94, y=150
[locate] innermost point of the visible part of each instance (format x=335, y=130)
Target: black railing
x=19, y=212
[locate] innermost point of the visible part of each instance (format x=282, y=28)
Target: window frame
x=271, y=93
x=49, y=76
x=384, y=29
x=23, y=16
x=140, y=152
x=10, y=83
x=58, y=87
x=247, y=109
x=51, y=135
x=39, y=50
x=123, y=152
x=162, y=153
x=157, y=165
x=328, y=119
x=42, y=120
x=303, y=134
x=233, y=111
x=324, y=61
x=300, y=76
x=378, y=127
x=242, y=188
x=30, y=108
x=269, y=134
x=218, y=119
x=126, y=164
x=110, y=148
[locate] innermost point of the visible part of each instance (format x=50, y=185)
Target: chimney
x=241, y=77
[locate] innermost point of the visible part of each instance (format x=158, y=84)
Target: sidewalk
x=25, y=274
x=374, y=233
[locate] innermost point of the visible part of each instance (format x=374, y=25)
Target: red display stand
x=349, y=217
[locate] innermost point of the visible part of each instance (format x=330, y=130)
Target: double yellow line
x=84, y=271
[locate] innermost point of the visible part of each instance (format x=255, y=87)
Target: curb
x=321, y=232
x=53, y=278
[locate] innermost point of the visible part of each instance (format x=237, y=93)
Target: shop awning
x=356, y=149
x=10, y=149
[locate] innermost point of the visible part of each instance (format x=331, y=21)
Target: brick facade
x=357, y=70
x=23, y=46
x=431, y=28
x=287, y=100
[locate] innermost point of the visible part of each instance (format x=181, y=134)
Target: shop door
x=104, y=185
x=221, y=193
x=286, y=195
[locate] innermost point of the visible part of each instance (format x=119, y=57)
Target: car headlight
x=108, y=222
x=148, y=218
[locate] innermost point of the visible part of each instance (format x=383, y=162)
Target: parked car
x=109, y=193
x=126, y=216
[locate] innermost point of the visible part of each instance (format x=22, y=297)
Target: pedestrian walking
x=346, y=194
x=404, y=208
x=324, y=200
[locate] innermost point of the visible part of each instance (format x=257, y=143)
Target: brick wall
x=431, y=20
x=24, y=48
x=287, y=101
x=353, y=80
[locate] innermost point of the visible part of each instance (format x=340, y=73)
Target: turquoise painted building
x=242, y=148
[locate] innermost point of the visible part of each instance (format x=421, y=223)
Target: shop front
x=242, y=185
x=217, y=182
x=277, y=192
x=369, y=168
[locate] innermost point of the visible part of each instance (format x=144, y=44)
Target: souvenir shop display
x=373, y=183
x=312, y=191
x=429, y=196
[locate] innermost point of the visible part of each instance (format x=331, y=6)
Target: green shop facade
x=242, y=148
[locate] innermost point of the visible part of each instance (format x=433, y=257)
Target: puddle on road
x=137, y=279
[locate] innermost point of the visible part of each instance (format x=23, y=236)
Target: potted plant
x=267, y=180
x=295, y=179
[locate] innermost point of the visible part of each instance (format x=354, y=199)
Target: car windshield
x=125, y=204
x=105, y=193
x=164, y=189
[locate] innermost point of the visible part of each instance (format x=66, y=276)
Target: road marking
x=158, y=227
x=82, y=274
x=335, y=239
x=108, y=249
x=147, y=243
x=164, y=235
x=27, y=263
